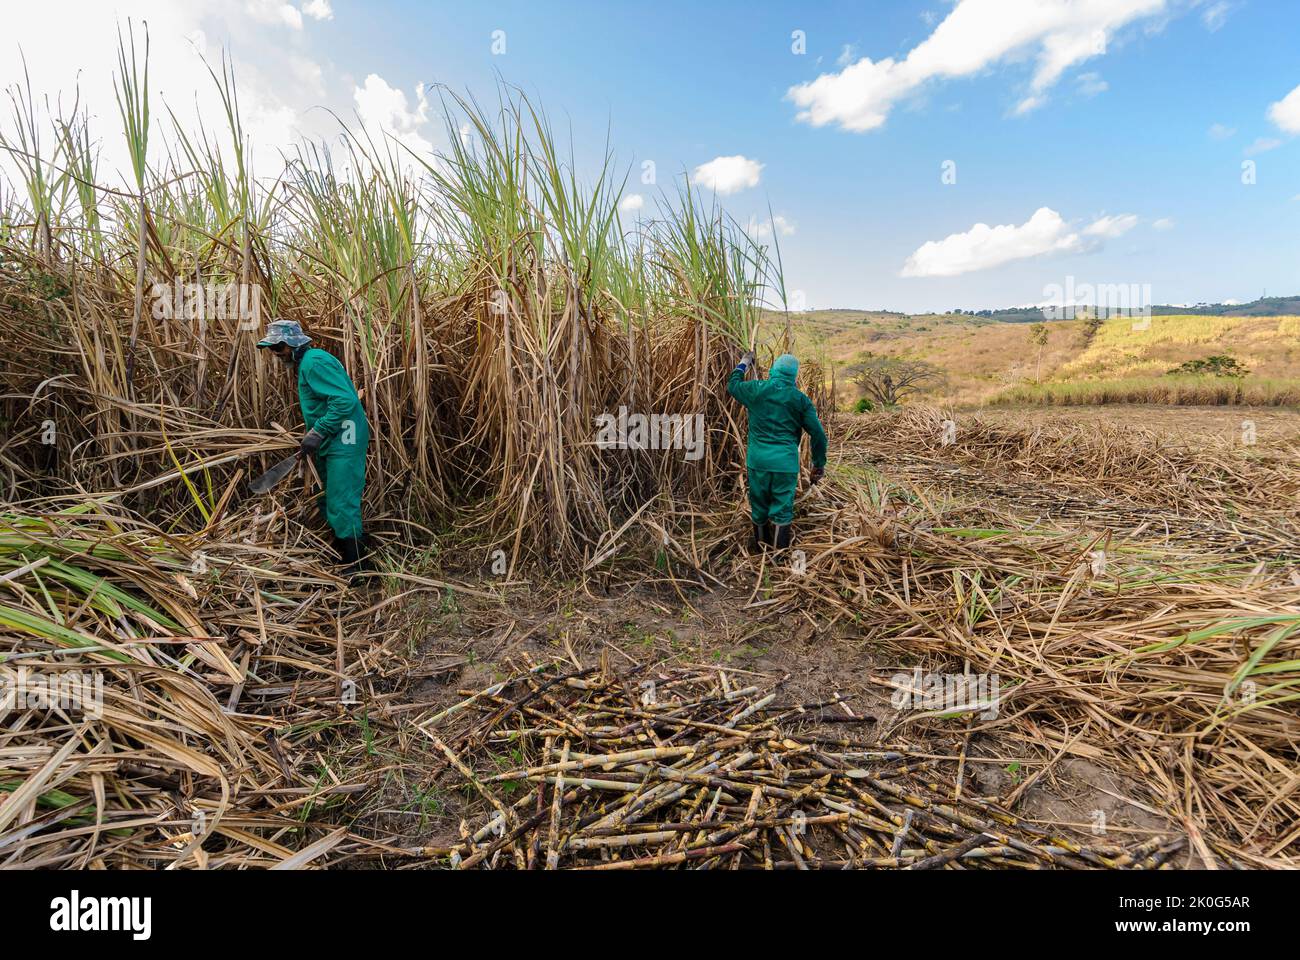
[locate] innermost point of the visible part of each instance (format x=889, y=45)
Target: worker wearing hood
x=779, y=414
x=337, y=433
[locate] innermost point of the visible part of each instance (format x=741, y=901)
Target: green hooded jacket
x=779, y=412
x=331, y=407
x=330, y=404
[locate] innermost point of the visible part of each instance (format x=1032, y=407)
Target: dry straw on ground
x=1175, y=656
x=489, y=306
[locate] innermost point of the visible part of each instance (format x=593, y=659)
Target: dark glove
x=310, y=443
x=816, y=474
x=746, y=361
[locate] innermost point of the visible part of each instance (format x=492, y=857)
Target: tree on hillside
x=1038, y=336
x=1090, y=328
x=891, y=380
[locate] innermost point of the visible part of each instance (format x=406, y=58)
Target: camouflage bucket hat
x=284, y=331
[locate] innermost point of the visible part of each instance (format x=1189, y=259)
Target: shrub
x=1219, y=366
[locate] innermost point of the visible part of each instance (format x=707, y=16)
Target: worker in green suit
x=337, y=433
x=779, y=414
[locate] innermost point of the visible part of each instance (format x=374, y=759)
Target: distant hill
x=841, y=318
x=984, y=355
x=1263, y=307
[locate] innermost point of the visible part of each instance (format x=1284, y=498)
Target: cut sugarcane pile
x=685, y=768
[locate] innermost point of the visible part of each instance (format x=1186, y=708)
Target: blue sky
x=1101, y=140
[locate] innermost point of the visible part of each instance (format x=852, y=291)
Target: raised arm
x=737, y=386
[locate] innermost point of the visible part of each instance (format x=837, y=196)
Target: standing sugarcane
x=337, y=433
x=779, y=414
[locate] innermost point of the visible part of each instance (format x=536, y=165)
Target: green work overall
x=331, y=407
x=779, y=413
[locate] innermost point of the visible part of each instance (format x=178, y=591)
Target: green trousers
x=771, y=496
x=343, y=471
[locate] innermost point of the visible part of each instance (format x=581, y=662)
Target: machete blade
x=273, y=476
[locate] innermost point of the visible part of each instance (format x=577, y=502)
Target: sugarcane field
x=416, y=454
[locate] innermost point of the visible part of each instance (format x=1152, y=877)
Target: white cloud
x=632, y=203
x=762, y=229
x=1164, y=223
x=385, y=111
x=1108, y=228
x=1028, y=104
x=727, y=175
x=1216, y=15
x=318, y=9
x=279, y=79
x=1091, y=84
x=1219, y=132
x=274, y=12
x=308, y=73
x=1262, y=145
x=1286, y=112
x=975, y=35
x=982, y=247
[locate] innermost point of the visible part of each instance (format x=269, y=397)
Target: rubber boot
x=364, y=553
x=757, y=537
x=355, y=556
x=782, y=536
